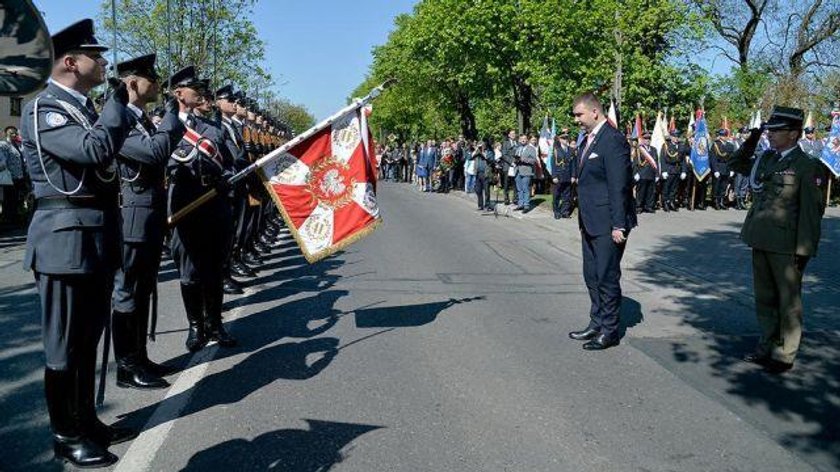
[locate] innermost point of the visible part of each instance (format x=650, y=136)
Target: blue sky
x=318, y=51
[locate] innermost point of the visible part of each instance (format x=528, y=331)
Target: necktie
x=89, y=107
x=147, y=123
x=589, y=138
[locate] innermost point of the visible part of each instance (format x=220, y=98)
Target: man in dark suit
x=73, y=243
x=606, y=217
x=509, y=147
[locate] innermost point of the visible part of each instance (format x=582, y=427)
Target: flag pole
x=277, y=153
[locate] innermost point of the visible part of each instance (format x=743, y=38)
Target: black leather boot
x=215, y=329
x=131, y=373
x=142, y=334
x=239, y=268
x=194, y=306
x=230, y=287
x=70, y=443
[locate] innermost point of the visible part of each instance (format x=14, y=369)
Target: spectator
x=505, y=164
x=470, y=163
x=13, y=181
x=485, y=160
x=525, y=159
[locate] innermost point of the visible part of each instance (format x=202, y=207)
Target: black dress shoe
x=160, y=370
x=230, y=287
x=137, y=377
x=600, y=342
x=82, y=452
x=584, y=335
x=757, y=358
x=777, y=367
x=109, y=435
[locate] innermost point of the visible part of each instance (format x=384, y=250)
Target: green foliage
x=296, y=116
x=476, y=67
x=216, y=36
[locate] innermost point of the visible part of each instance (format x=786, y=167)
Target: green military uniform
x=783, y=229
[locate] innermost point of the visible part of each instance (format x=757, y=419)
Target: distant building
x=11, y=108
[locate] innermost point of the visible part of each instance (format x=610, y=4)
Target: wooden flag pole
x=828, y=191
x=277, y=153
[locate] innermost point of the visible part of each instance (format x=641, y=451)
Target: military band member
x=142, y=167
x=73, y=243
x=563, y=170
x=673, y=156
x=719, y=156
x=783, y=229
x=201, y=239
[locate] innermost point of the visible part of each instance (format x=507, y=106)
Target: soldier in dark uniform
x=673, y=157
x=563, y=169
x=226, y=103
x=142, y=167
x=237, y=122
x=719, y=156
x=201, y=239
x=783, y=229
x=644, y=166
x=73, y=243
x=741, y=183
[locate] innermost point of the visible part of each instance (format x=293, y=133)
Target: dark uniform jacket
x=641, y=165
x=142, y=166
x=83, y=236
x=673, y=156
x=788, y=203
x=719, y=156
x=565, y=163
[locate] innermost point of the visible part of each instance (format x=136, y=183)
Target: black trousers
x=482, y=190
x=721, y=183
x=507, y=184
x=645, y=192
x=700, y=191
x=562, y=199
x=669, y=187
x=602, y=274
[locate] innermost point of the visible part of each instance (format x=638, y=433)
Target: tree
x=216, y=36
x=297, y=117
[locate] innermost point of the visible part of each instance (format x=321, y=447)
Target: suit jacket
x=605, y=184
x=527, y=160
x=75, y=239
x=508, y=150
x=142, y=170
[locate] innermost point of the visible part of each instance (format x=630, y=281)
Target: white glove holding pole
x=683, y=176
x=732, y=173
x=637, y=177
x=717, y=175
x=665, y=175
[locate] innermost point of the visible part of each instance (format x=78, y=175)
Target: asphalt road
x=439, y=344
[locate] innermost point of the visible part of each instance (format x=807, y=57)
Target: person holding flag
x=721, y=151
x=700, y=162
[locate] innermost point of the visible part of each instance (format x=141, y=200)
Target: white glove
x=732, y=173
x=657, y=179
x=717, y=175
x=637, y=177
x=665, y=175
x=555, y=180
x=682, y=176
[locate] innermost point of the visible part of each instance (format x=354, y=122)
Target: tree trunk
x=522, y=97
x=467, y=117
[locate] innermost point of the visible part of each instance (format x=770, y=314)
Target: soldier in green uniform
x=783, y=229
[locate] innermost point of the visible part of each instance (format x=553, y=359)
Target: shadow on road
x=405, y=315
x=316, y=449
x=710, y=279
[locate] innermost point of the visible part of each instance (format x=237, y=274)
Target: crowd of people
x=515, y=168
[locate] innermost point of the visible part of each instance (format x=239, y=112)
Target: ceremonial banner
x=700, y=148
x=325, y=186
x=612, y=115
x=831, y=150
x=660, y=134
x=546, y=144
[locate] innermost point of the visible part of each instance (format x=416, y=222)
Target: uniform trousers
x=721, y=183
x=482, y=190
x=645, y=192
x=561, y=194
x=777, y=282
x=669, y=187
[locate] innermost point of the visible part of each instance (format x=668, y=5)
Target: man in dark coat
x=564, y=168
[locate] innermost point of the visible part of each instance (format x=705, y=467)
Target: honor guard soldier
x=199, y=240
x=142, y=167
x=226, y=103
x=721, y=151
x=564, y=168
x=238, y=266
x=673, y=155
x=73, y=243
x=783, y=229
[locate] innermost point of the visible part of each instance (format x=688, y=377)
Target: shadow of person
x=291, y=361
x=405, y=315
x=316, y=449
x=303, y=318
x=631, y=315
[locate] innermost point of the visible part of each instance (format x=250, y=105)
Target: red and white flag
x=325, y=187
